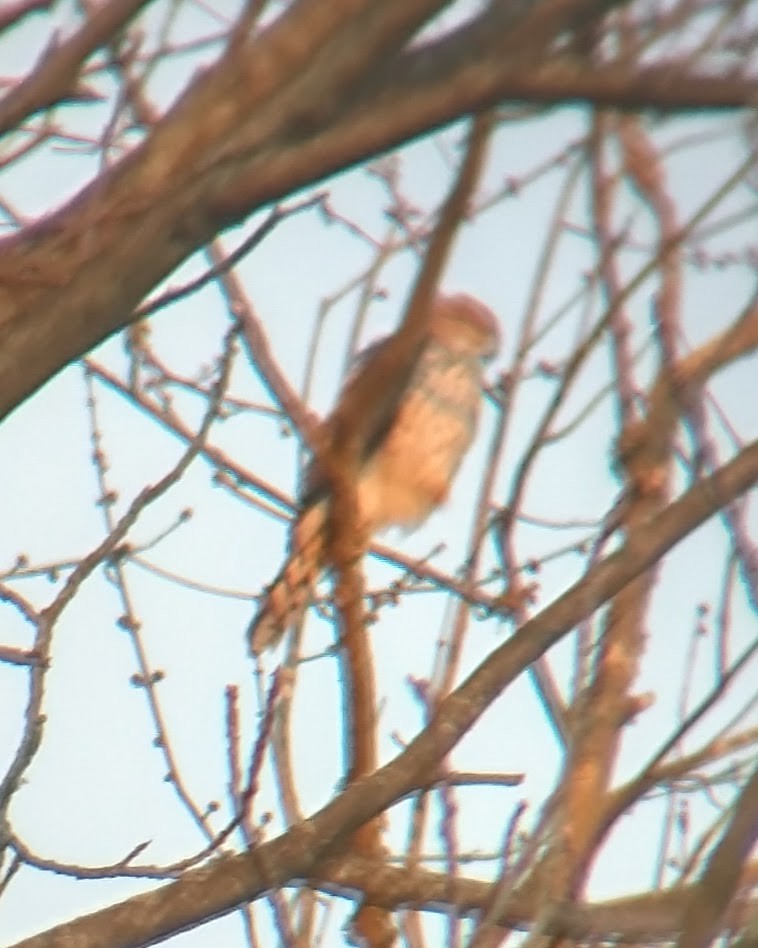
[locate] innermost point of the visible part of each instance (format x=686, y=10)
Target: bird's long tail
x=291, y=592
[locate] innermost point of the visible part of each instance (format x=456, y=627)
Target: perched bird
x=411, y=457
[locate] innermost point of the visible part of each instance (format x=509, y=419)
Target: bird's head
x=464, y=324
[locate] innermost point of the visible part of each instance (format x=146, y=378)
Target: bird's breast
x=411, y=472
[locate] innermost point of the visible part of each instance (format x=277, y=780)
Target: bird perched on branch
x=409, y=459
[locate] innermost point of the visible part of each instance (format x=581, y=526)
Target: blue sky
x=97, y=786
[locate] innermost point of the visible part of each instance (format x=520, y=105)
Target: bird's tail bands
x=291, y=592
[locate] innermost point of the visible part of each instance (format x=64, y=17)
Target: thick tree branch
x=310, y=96
x=649, y=916
x=216, y=889
x=14, y=12
x=711, y=896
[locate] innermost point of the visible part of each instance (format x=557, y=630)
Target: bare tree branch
x=719, y=880
x=53, y=77
x=218, y=888
x=283, y=123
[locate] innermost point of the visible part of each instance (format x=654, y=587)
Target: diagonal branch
x=54, y=76
x=273, y=115
x=720, y=878
x=218, y=888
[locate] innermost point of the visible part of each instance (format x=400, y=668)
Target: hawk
x=410, y=461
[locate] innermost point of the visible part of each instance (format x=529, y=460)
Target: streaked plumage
x=414, y=455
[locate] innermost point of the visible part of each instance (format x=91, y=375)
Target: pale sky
x=96, y=788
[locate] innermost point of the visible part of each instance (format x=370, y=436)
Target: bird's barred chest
x=412, y=471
